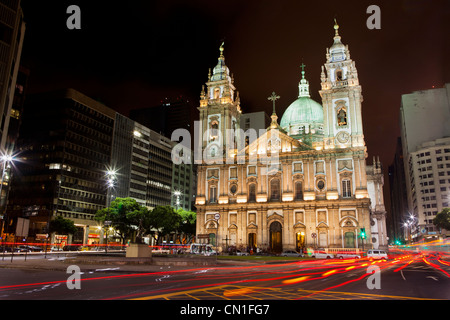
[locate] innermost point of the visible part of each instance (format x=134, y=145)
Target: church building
x=301, y=183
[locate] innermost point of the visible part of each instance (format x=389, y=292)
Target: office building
x=76, y=156
x=425, y=134
x=12, y=32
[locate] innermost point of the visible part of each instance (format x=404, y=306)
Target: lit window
x=346, y=188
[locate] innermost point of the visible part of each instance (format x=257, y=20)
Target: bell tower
x=341, y=98
x=219, y=113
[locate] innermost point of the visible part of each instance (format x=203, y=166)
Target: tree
x=127, y=217
x=188, y=224
x=164, y=220
x=442, y=219
x=61, y=225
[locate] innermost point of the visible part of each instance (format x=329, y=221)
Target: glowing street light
x=6, y=159
x=111, y=178
x=177, y=194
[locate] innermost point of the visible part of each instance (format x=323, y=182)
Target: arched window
x=214, y=133
x=216, y=93
x=342, y=117
x=275, y=192
x=298, y=191
x=252, y=192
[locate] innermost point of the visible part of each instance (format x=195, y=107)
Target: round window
x=233, y=188
x=320, y=184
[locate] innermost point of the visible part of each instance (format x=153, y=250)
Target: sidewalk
x=110, y=262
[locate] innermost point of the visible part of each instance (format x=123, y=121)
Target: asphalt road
x=412, y=277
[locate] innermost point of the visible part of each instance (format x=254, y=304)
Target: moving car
x=348, y=255
x=376, y=254
x=321, y=254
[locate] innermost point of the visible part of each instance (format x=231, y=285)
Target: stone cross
x=273, y=98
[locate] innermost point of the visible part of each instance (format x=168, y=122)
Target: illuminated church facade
x=303, y=182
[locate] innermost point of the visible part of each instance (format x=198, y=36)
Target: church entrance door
x=349, y=240
x=276, y=242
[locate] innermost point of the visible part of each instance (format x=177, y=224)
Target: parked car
x=35, y=249
x=321, y=254
x=348, y=255
x=376, y=254
x=291, y=253
x=241, y=253
x=72, y=247
x=23, y=249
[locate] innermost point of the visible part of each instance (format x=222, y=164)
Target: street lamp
x=6, y=160
x=111, y=177
x=177, y=195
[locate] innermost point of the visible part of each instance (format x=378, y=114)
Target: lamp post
x=177, y=195
x=111, y=177
x=6, y=160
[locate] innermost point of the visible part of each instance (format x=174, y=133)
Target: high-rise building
x=399, y=203
x=64, y=148
x=77, y=155
x=254, y=120
x=171, y=114
x=184, y=182
x=425, y=134
x=12, y=32
x=302, y=183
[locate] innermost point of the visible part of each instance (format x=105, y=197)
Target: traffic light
x=363, y=233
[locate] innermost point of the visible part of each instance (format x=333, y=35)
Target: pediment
x=273, y=140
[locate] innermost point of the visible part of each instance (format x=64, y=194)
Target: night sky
x=132, y=54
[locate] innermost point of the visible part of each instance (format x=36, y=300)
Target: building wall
x=430, y=180
x=327, y=213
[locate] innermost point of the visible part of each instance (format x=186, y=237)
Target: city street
x=407, y=277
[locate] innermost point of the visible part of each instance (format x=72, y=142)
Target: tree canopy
x=129, y=218
x=442, y=219
x=61, y=225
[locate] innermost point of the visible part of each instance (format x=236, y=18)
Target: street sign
x=217, y=216
x=314, y=235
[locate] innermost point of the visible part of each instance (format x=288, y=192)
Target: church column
x=287, y=230
x=242, y=227
x=264, y=228
x=310, y=222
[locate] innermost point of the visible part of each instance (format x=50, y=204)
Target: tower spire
x=336, y=28
x=274, y=116
x=303, y=86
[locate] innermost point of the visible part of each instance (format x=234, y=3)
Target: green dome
x=302, y=111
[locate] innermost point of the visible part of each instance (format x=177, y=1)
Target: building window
x=252, y=192
x=275, y=190
x=233, y=173
x=342, y=117
x=251, y=170
x=297, y=167
x=346, y=188
x=298, y=191
x=212, y=194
